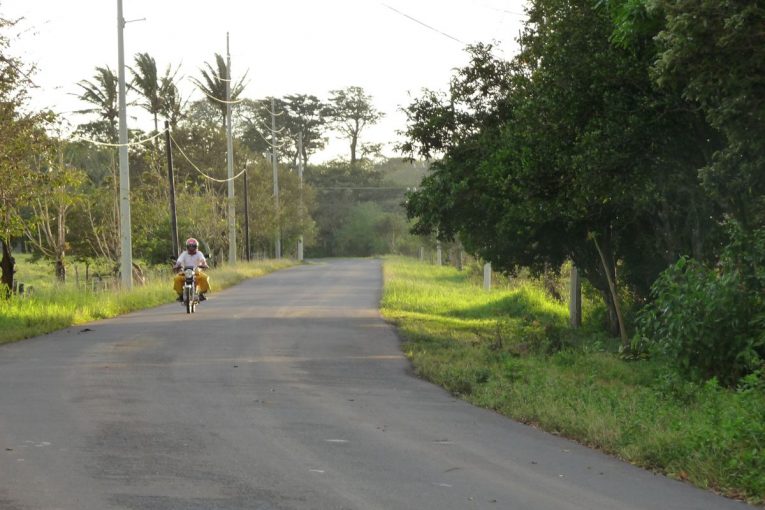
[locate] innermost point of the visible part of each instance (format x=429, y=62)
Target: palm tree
x=102, y=94
x=146, y=83
x=160, y=95
x=214, y=85
x=172, y=104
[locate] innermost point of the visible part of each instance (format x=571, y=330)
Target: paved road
x=285, y=392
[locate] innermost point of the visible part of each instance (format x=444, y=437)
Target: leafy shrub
x=710, y=322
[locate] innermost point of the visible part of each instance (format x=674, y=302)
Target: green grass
x=510, y=350
x=51, y=307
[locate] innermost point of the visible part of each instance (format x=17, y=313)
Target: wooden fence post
x=575, y=299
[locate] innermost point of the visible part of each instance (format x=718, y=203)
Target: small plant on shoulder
x=500, y=325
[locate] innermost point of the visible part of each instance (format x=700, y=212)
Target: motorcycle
x=190, y=294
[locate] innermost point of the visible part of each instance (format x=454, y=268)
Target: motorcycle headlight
x=189, y=273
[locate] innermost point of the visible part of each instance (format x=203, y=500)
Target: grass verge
x=52, y=308
x=511, y=350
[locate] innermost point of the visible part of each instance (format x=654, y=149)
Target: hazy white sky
x=288, y=46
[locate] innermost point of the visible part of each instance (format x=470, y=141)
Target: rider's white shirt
x=185, y=259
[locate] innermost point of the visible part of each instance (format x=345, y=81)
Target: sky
x=391, y=48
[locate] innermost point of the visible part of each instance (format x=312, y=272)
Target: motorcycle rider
x=191, y=258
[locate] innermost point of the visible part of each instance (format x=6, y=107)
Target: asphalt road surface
x=285, y=392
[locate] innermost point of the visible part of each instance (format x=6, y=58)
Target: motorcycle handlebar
x=178, y=269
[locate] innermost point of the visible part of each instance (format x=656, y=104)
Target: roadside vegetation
x=511, y=350
x=626, y=137
x=52, y=305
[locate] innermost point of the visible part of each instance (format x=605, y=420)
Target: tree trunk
x=354, y=140
x=60, y=270
x=7, y=265
x=612, y=320
x=610, y=271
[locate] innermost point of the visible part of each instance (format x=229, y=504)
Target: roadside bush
x=710, y=322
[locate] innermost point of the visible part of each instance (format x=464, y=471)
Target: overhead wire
x=202, y=173
x=129, y=144
x=223, y=101
x=423, y=24
x=273, y=113
x=271, y=144
x=499, y=9
x=264, y=126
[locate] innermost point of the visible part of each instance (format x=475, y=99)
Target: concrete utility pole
x=246, y=218
x=300, y=176
x=278, y=243
x=230, y=163
x=126, y=240
x=487, y=276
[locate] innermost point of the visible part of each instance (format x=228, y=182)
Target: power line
x=498, y=9
x=424, y=24
x=200, y=171
x=129, y=144
x=270, y=143
x=222, y=101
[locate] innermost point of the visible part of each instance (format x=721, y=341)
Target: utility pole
x=278, y=244
x=246, y=218
x=126, y=241
x=230, y=163
x=170, y=177
x=300, y=215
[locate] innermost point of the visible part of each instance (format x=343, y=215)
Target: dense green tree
x=307, y=116
x=359, y=236
x=48, y=227
x=263, y=216
x=23, y=139
x=713, y=52
x=343, y=192
x=564, y=153
x=201, y=113
x=339, y=187
x=253, y=125
x=297, y=115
